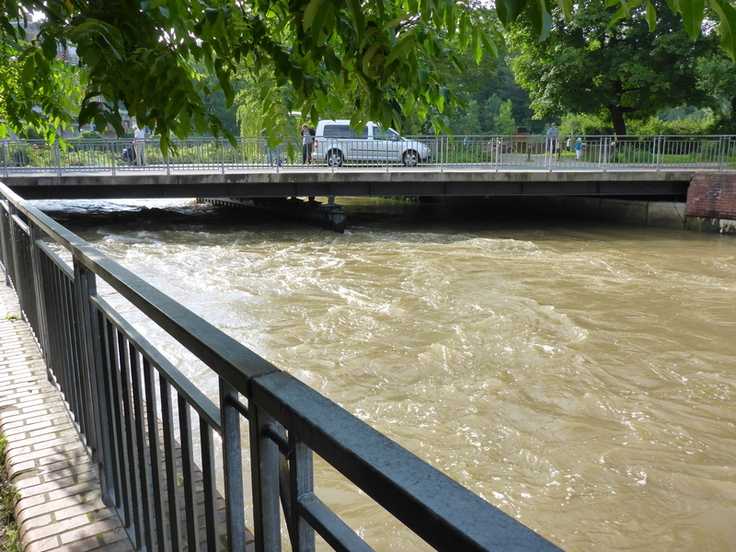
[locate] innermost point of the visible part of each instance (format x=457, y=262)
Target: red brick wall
x=712, y=195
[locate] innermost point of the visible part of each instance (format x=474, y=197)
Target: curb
x=59, y=503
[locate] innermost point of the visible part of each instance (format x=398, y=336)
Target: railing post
x=265, y=477
x=723, y=151
x=89, y=335
x=113, y=158
x=57, y=158
x=4, y=158
x=221, y=143
x=5, y=215
x=301, y=483
x=233, y=467
x=41, y=287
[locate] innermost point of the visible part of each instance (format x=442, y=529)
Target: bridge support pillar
x=711, y=203
x=328, y=215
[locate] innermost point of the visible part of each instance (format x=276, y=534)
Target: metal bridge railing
x=181, y=467
x=487, y=153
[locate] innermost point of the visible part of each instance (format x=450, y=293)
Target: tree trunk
x=617, y=118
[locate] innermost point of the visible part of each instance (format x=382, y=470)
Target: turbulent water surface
x=579, y=376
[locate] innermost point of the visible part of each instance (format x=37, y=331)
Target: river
x=581, y=376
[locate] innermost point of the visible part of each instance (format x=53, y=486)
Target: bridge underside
x=324, y=183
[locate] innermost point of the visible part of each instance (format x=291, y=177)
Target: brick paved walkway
x=60, y=505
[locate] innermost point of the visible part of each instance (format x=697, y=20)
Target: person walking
x=307, y=144
x=578, y=147
x=139, y=143
x=274, y=154
x=552, y=139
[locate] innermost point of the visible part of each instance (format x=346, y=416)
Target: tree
x=717, y=80
x=624, y=70
x=504, y=122
x=373, y=56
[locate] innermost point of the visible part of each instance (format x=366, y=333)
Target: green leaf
x=692, y=17
x=509, y=10
x=477, y=44
x=651, y=16
x=541, y=18
x=489, y=45
x=727, y=26
x=398, y=50
x=464, y=34
x=310, y=13
x=356, y=13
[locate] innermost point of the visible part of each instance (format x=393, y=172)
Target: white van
x=335, y=143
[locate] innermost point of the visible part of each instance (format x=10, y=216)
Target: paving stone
x=59, y=506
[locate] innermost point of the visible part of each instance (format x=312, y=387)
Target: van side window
x=343, y=131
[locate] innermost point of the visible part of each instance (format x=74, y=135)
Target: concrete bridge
x=459, y=181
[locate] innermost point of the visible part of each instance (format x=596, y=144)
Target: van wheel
x=334, y=158
x=411, y=158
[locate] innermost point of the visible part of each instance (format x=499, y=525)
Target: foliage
x=504, y=123
x=685, y=126
x=374, y=59
x=717, y=81
x=625, y=71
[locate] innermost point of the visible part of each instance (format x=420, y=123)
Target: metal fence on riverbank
x=489, y=153
x=168, y=455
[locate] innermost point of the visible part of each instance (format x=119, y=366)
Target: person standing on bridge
x=552, y=139
x=578, y=147
x=139, y=143
x=307, y=144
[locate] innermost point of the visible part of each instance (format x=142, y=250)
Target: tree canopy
x=375, y=57
x=622, y=70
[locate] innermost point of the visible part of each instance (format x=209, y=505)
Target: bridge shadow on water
x=363, y=214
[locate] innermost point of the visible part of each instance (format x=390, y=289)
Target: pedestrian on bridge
x=139, y=143
x=578, y=147
x=307, y=144
x=552, y=139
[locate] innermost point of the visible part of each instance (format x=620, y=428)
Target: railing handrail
x=284, y=415
x=483, y=152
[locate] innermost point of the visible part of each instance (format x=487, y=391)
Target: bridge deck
x=300, y=181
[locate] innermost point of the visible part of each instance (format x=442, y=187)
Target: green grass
x=9, y=537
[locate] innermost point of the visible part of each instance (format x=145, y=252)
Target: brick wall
x=712, y=195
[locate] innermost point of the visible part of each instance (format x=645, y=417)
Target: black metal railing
x=174, y=462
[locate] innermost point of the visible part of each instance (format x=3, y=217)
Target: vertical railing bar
x=62, y=305
x=128, y=438
x=76, y=358
x=233, y=467
x=57, y=318
x=116, y=421
x=301, y=484
x=155, y=451
x=265, y=477
x=208, y=480
x=139, y=414
x=169, y=445
x=66, y=371
x=187, y=463
x=87, y=330
x=114, y=458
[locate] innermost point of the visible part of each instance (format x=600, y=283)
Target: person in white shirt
x=139, y=143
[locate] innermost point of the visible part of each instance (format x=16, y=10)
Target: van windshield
x=390, y=134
